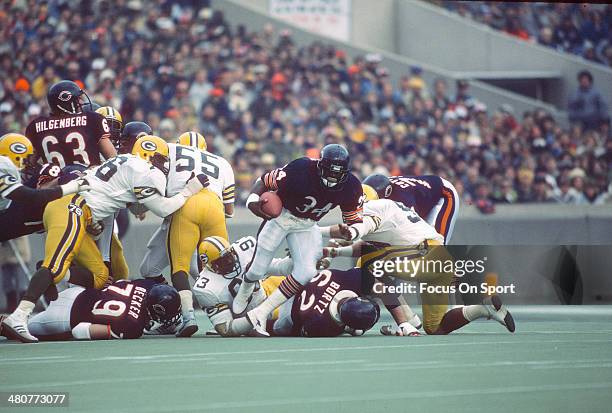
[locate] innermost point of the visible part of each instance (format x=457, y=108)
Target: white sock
x=473, y=312
x=271, y=303
x=25, y=307
x=408, y=311
x=186, y=300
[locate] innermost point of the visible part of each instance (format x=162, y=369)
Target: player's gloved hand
x=76, y=185
x=195, y=185
x=95, y=229
x=405, y=330
x=138, y=210
x=255, y=208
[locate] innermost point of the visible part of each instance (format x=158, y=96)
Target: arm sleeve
x=161, y=206
x=352, y=210
x=229, y=184
x=275, y=179
x=369, y=224
x=21, y=193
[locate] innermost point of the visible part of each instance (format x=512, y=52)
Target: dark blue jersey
x=300, y=189
x=419, y=192
x=310, y=311
x=122, y=306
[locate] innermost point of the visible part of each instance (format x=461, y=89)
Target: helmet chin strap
x=328, y=183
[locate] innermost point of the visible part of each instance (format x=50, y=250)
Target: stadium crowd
x=260, y=100
x=578, y=28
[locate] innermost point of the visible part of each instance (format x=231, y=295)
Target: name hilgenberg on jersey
x=71, y=122
x=121, y=180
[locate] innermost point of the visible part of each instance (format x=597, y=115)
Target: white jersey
x=121, y=180
x=10, y=179
x=215, y=293
x=187, y=160
x=397, y=224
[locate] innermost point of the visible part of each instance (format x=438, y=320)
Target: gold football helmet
x=217, y=254
x=16, y=147
x=154, y=150
x=114, y=119
x=193, y=139
x=369, y=192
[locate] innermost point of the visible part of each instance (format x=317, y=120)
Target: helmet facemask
x=228, y=264
x=333, y=174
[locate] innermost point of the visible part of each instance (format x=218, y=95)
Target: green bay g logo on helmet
x=148, y=145
x=18, y=148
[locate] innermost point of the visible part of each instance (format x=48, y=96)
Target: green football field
x=559, y=360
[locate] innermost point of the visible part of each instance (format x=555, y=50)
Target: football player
x=432, y=197
x=21, y=207
x=390, y=230
x=224, y=265
x=177, y=240
x=120, y=311
x=122, y=179
x=130, y=133
x=114, y=121
x=331, y=304
x=219, y=171
x=70, y=135
x=308, y=189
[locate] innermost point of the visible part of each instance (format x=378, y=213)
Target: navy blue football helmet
x=65, y=98
x=130, y=133
x=90, y=107
x=164, y=305
x=381, y=185
x=334, y=166
x=359, y=313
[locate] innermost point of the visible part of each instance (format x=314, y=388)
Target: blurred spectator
x=578, y=28
x=587, y=106
x=260, y=100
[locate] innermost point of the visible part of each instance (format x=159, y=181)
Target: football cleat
x=189, y=326
x=259, y=324
x=243, y=298
x=499, y=312
x=404, y=330
x=15, y=326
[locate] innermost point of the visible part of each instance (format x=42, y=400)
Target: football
x=271, y=204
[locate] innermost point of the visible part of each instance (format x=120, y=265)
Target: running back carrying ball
x=271, y=204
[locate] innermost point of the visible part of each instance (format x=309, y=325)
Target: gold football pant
x=202, y=216
x=65, y=221
x=434, y=303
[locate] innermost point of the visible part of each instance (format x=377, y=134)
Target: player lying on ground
x=203, y=215
x=122, y=310
x=331, y=304
x=120, y=180
x=391, y=230
x=308, y=189
x=432, y=197
x=224, y=265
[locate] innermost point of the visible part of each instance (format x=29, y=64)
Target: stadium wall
x=426, y=33
x=535, y=247
x=254, y=16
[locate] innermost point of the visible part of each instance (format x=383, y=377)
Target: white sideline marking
x=35, y=358
x=214, y=375
x=379, y=396
x=412, y=342
x=322, y=362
